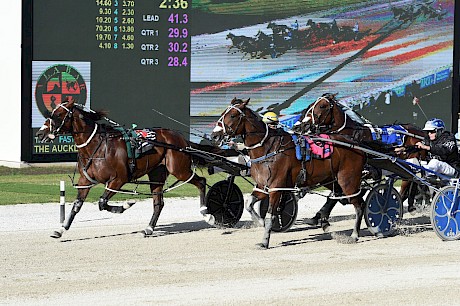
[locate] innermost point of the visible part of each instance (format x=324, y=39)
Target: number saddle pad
x=137, y=141
x=307, y=149
x=389, y=134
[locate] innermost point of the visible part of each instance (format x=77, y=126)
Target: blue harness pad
x=388, y=134
x=317, y=150
x=298, y=153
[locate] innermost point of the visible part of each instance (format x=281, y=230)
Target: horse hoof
x=128, y=204
x=56, y=234
x=148, y=232
x=203, y=210
x=325, y=225
x=117, y=209
x=412, y=210
x=262, y=246
x=208, y=218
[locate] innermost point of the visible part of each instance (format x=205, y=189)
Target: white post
x=62, y=201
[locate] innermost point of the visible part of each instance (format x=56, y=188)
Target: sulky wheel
x=383, y=210
x=225, y=202
x=286, y=213
x=445, y=214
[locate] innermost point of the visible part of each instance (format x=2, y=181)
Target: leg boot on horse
x=250, y=209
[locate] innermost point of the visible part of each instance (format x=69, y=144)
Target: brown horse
x=325, y=115
x=103, y=158
x=275, y=167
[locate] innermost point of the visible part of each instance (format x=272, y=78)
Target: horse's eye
x=322, y=106
x=233, y=116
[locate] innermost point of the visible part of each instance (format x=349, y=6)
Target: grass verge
x=41, y=185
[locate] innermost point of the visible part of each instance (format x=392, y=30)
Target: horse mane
x=236, y=101
x=94, y=116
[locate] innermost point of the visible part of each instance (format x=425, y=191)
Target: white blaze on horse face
x=306, y=119
x=44, y=127
x=217, y=129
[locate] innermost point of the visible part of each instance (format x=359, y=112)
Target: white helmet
x=434, y=124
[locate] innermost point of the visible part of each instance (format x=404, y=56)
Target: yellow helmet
x=270, y=118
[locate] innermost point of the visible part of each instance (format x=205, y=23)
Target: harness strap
x=373, y=131
x=262, y=158
x=89, y=139
x=259, y=190
x=346, y=197
x=257, y=145
x=267, y=156
x=88, y=177
x=344, y=123
x=295, y=189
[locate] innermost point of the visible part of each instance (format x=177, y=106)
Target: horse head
x=232, y=121
x=230, y=35
x=59, y=120
x=320, y=115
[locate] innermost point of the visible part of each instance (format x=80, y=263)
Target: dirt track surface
x=104, y=260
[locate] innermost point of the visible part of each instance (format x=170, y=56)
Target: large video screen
x=179, y=63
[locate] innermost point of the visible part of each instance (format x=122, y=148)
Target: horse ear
x=233, y=101
x=70, y=100
x=247, y=101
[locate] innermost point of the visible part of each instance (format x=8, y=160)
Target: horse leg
x=158, y=204
x=200, y=183
x=157, y=177
x=250, y=209
x=114, y=185
x=408, y=191
x=77, y=204
x=274, y=200
x=359, y=204
x=323, y=215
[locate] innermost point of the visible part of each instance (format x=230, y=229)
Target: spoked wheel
x=225, y=202
x=286, y=213
x=445, y=214
x=384, y=210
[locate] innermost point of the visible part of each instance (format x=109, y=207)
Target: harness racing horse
x=103, y=158
x=275, y=167
x=325, y=115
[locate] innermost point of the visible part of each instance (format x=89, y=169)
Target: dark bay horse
x=325, y=115
x=275, y=167
x=103, y=158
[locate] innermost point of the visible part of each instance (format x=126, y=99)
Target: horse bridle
x=232, y=132
x=314, y=117
x=68, y=116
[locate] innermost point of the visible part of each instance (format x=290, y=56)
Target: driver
x=442, y=148
x=271, y=119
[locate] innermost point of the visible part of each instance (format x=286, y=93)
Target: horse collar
x=89, y=138
x=259, y=144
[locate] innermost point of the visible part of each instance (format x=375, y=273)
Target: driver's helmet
x=434, y=124
x=270, y=118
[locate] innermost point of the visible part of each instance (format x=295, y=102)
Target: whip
x=183, y=124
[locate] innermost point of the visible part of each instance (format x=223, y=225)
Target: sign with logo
x=52, y=82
